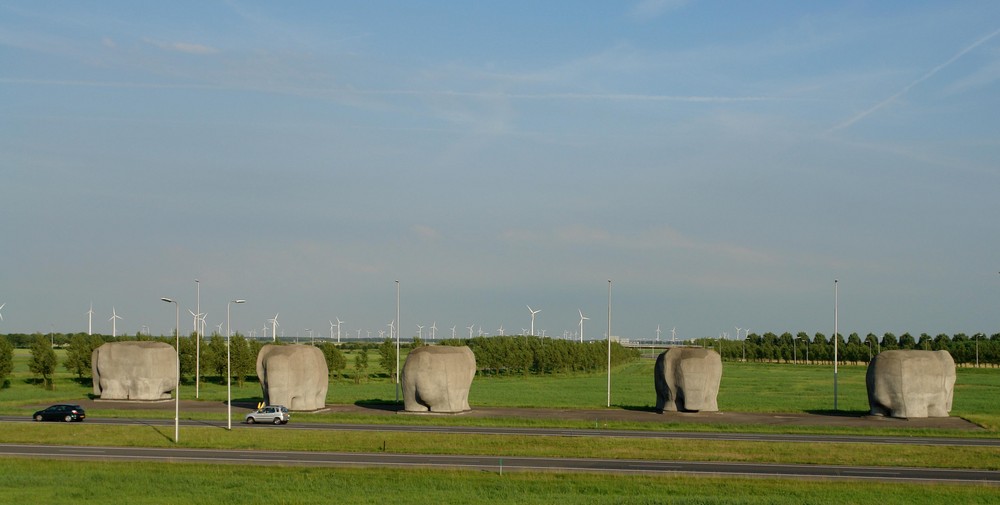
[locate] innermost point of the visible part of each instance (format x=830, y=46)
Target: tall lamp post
x=197, y=337
x=398, y=326
x=609, y=342
x=977, y=350
x=836, y=307
x=229, y=375
x=177, y=391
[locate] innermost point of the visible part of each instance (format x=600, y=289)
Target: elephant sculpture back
x=438, y=379
x=295, y=376
x=687, y=379
x=911, y=383
x=134, y=370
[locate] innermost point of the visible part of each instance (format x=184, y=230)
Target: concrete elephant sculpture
x=295, y=376
x=911, y=383
x=134, y=370
x=687, y=379
x=437, y=379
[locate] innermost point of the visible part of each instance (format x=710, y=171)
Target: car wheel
x=277, y=420
x=250, y=420
x=38, y=417
x=68, y=418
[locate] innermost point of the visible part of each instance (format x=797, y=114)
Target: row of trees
x=525, y=355
x=801, y=347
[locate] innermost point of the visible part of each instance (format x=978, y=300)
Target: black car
x=61, y=413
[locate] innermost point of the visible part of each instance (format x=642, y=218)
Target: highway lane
x=562, y=432
x=495, y=464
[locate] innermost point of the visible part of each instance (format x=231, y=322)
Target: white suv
x=276, y=414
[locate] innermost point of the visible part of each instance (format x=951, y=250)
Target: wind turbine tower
x=274, y=327
x=533, y=312
x=90, y=319
x=114, y=319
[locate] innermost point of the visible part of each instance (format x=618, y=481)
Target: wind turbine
x=673, y=334
x=470, y=327
x=274, y=327
x=434, y=330
x=582, y=319
x=657, y=334
x=453, y=331
x=500, y=329
x=392, y=328
x=218, y=328
x=90, y=318
x=1, y=308
x=197, y=317
x=331, y=330
x=339, y=322
x=114, y=319
x=533, y=312
x=420, y=331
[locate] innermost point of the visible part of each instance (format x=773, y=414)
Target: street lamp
x=609, y=342
x=795, y=352
x=177, y=391
x=398, y=326
x=197, y=341
x=806, y=341
x=229, y=375
x=835, y=339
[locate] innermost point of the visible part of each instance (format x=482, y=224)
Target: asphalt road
x=561, y=432
x=495, y=464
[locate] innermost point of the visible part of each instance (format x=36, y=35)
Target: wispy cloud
x=106, y=84
x=425, y=232
x=182, y=47
x=661, y=238
x=908, y=87
x=646, y=10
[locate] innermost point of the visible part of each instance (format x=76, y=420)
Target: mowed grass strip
x=277, y=438
x=73, y=482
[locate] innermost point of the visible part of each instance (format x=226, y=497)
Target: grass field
x=745, y=387
x=51, y=482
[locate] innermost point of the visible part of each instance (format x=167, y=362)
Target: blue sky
x=721, y=162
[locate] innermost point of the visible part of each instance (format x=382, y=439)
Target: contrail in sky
x=922, y=78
